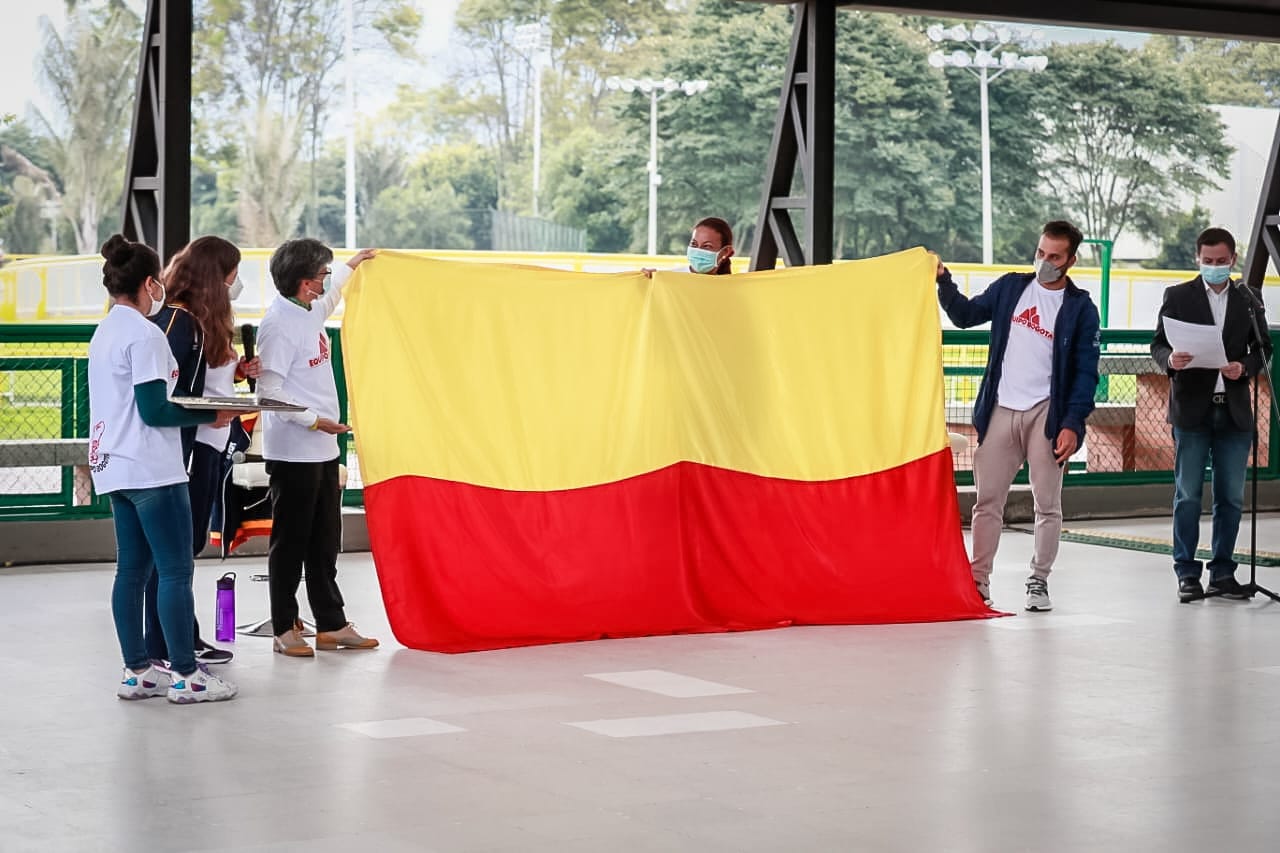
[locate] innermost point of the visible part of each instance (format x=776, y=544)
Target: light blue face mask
x=1214, y=275
x=701, y=260
x=328, y=283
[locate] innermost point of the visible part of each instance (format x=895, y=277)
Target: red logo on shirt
x=97, y=463
x=324, y=352
x=1031, y=319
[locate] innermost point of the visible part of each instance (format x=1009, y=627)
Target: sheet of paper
x=1204, y=342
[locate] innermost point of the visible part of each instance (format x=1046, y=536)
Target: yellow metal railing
x=68, y=288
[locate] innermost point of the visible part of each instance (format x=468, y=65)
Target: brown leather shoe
x=343, y=638
x=291, y=644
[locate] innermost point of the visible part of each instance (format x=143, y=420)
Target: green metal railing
x=44, y=395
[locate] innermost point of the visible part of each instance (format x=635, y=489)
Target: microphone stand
x=1252, y=300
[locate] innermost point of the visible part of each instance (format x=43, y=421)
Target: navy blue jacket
x=1075, y=348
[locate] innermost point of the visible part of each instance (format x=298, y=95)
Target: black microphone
x=247, y=333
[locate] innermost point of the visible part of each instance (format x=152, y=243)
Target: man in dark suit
x=1210, y=411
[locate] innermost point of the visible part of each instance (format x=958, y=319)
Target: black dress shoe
x=1227, y=587
x=1189, y=589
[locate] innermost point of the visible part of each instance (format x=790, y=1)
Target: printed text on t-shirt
x=1031, y=319
x=324, y=353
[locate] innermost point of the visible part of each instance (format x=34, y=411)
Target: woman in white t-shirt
x=135, y=457
x=201, y=281
x=301, y=448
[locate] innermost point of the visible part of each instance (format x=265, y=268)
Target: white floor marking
x=668, y=683
x=407, y=727
x=670, y=724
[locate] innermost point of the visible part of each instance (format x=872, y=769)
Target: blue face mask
x=1214, y=275
x=701, y=260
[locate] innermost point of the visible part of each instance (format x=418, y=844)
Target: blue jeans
x=1220, y=442
x=153, y=533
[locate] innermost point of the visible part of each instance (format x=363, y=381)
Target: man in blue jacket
x=1042, y=372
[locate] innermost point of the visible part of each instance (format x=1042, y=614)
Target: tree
x=27, y=184
x=1130, y=136
x=489, y=94
x=89, y=72
x=270, y=191
x=418, y=215
x=1244, y=73
x=1178, y=240
x=278, y=56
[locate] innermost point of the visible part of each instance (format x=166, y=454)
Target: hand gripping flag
x=552, y=456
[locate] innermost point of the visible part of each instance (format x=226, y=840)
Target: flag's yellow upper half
x=535, y=380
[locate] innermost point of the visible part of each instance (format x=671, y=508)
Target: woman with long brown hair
x=202, y=280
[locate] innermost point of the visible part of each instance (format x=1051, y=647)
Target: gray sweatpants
x=1013, y=438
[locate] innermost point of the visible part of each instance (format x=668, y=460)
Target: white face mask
x=235, y=289
x=156, y=304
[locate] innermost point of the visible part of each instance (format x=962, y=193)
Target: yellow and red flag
x=553, y=456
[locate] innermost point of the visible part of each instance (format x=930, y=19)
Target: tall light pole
x=988, y=46
x=536, y=38
x=653, y=88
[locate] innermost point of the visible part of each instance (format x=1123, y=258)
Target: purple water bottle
x=224, y=629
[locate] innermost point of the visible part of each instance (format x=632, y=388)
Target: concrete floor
x=1120, y=721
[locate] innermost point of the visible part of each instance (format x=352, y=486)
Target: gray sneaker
x=1038, y=595
x=985, y=592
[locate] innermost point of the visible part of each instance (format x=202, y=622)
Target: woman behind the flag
x=710, y=249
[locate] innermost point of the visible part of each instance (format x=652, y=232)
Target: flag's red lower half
x=688, y=548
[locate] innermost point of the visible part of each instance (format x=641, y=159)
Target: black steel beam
x=804, y=136
x=1246, y=19
x=157, y=192
x=1263, y=237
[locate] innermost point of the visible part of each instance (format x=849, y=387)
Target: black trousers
x=205, y=478
x=306, y=529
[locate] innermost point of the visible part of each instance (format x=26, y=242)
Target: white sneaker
x=200, y=686
x=1038, y=595
x=152, y=681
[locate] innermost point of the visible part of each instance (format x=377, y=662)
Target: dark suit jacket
x=1191, y=390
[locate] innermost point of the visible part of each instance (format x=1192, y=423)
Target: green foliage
x=1178, y=234
x=1245, y=73
x=584, y=190
x=1129, y=134
x=89, y=71
x=418, y=215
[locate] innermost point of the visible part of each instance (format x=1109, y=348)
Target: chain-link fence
x=44, y=417
x=1127, y=438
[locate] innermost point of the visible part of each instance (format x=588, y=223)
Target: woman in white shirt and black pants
x=301, y=448
x=135, y=457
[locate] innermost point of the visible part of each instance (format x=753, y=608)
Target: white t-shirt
x=126, y=350
x=1028, y=356
x=294, y=348
x=218, y=382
